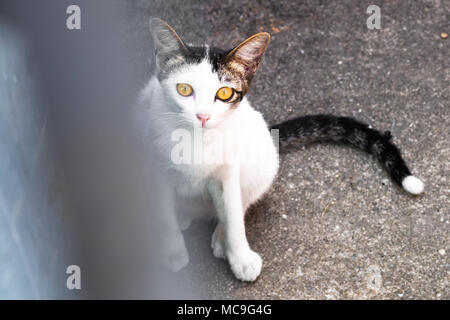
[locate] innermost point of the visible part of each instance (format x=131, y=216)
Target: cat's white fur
x=225, y=190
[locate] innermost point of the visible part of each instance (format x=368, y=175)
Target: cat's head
x=205, y=84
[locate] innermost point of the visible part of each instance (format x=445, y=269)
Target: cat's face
x=200, y=95
x=205, y=84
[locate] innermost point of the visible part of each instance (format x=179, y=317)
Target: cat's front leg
x=226, y=193
x=173, y=250
x=218, y=242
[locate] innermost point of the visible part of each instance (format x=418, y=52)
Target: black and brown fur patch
x=240, y=64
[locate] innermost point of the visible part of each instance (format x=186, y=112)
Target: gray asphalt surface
x=334, y=226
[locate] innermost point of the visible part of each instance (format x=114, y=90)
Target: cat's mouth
x=202, y=125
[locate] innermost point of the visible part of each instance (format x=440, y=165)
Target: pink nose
x=203, y=118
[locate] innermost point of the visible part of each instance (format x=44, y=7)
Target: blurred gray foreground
x=73, y=183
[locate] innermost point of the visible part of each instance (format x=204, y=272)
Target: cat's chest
x=189, y=185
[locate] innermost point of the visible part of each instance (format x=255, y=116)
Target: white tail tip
x=413, y=185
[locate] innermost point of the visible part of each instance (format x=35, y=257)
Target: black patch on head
x=196, y=55
x=217, y=57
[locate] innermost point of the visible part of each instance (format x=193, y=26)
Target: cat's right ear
x=169, y=48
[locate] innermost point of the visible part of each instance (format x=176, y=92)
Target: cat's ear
x=169, y=48
x=245, y=58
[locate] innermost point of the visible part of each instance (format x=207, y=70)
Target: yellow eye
x=225, y=93
x=184, y=89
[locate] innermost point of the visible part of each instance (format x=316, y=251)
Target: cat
x=203, y=88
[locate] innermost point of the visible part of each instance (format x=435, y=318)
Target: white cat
x=199, y=90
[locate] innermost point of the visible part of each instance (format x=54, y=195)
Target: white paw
x=246, y=265
x=175, y=256
x=218, y=245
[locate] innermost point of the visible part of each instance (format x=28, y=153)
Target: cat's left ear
x=169, y=48
x=245, y=57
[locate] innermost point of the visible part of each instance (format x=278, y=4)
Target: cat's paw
x=246, y=265
x=218, y=245
x=174, y=255
x=184, y=223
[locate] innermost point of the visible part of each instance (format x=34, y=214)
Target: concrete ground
x=333, y=226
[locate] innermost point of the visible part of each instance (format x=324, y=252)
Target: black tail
x=351, y=132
